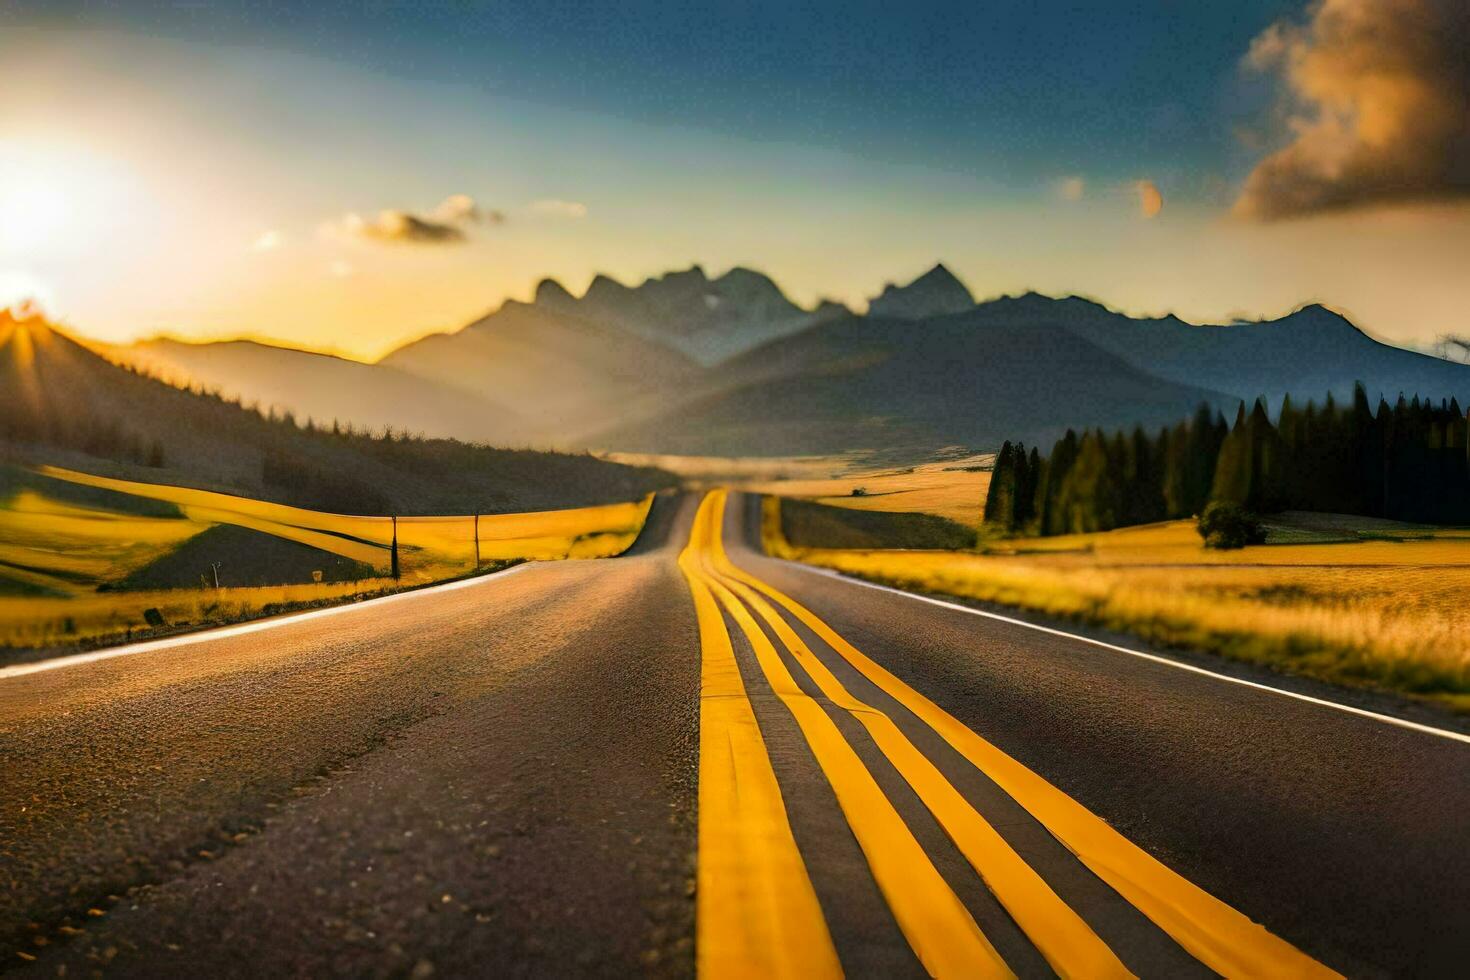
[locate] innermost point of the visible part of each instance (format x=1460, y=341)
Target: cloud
x=268, y=241
x=444, y=224
x=461, y=209
x=561, y=209
x=1071, y=188
x=1377, y=94
x=401, y=226
x=1150, y=201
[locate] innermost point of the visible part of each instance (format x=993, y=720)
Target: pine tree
x=1052, y=515
x=1087, y=500
x=1026, y=493
x=1000, y=500
x=1178, y=492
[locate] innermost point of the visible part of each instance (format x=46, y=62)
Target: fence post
x=477, y=542
x=395, y=547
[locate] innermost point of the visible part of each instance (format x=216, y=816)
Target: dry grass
x=50, y=621
x=1385, y=614
x=63, y=552
x=954, y=489
x=69, y=549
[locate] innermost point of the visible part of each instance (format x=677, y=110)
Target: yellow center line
x=938, y=927
x=1060, y=934
x=756, y=912
x=1219, y=936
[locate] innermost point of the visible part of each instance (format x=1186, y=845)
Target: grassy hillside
x=82, y=557
x=952, y=488
x=62, y=403
x=810, y=525
x=863, y=382
x=326, y=388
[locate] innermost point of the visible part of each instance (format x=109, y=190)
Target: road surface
x=697, y=757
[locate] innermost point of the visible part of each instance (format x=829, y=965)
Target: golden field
x=1390, y=614
x=954, y=489
x=60, y=560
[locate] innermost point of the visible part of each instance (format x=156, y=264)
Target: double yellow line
x=757, y=912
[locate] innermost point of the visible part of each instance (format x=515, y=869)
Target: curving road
x=573, y=769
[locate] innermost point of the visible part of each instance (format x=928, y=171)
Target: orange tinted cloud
x=1379, y=100
x=445, y=224
x=1150, y=201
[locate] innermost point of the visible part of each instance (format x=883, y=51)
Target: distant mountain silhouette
x=564, y=372
x=326, y=388
x=1307, y=353
x=936, y=293
x=706, y=319
x=65, y=404
x=869, y=382
x=700, y=365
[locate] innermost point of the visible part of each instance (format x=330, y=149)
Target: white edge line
x=1166, y=661
x=225, y=632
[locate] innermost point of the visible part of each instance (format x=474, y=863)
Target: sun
x=18, y=286
x=56, y=198
x=35, y=213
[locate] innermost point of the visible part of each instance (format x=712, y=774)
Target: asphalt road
x=502, y=778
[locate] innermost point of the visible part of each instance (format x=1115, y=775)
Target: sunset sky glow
x=346, y=182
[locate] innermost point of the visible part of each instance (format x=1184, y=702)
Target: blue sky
x=834, y=146
x=1007, y=90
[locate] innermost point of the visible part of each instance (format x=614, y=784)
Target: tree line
x=1409, y=461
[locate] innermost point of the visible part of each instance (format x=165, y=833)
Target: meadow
x=1360, y=603
x=71, y=542
x=952, y=488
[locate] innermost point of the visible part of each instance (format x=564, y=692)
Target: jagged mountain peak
x=937, y=292
x=553, y=294
x=705, y=318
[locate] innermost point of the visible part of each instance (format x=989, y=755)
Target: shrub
x=1225, y=525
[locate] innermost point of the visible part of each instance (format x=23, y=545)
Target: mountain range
x=687, y=363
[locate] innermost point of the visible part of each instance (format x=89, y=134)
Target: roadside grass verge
x=1383, y=614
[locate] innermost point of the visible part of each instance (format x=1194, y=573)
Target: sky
x=347, y=180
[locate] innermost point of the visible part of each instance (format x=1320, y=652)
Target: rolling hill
x=327, y=388
x=63, y=403
x=564, y=372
